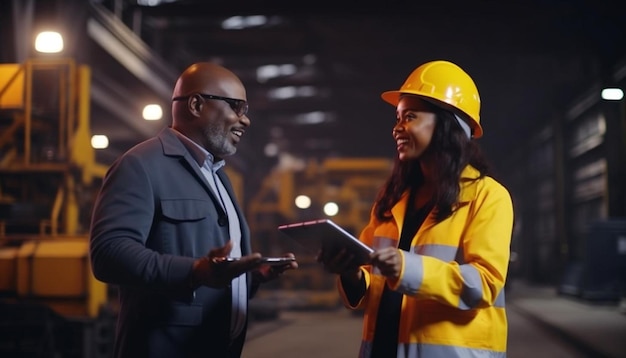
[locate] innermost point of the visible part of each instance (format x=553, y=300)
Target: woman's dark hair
x=451, y=151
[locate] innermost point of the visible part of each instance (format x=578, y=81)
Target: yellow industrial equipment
x=49, y=298
x=352, y=183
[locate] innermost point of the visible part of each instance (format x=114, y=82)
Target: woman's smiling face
x=415, y=124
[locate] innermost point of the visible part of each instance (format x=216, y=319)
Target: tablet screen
x=324, y=233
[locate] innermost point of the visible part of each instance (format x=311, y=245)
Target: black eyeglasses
x=239, y=106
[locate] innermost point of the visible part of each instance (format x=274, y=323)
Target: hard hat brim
x=393, y=98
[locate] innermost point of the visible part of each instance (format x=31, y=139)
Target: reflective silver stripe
x=413, y=276
x=500, y=300
x=442, y=252
x=417, y=350
x=414, y=350
x=381, y=242
x=472, y=292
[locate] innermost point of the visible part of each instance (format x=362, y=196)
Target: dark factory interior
x=314, y=72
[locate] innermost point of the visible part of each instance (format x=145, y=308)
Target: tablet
x=274, y=261
x=325, y=234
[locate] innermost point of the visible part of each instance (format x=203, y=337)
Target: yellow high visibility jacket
x=452, y=279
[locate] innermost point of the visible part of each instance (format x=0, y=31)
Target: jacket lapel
x=172, y=147
x=245, y=232
x=466, y=194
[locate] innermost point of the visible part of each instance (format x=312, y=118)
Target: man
x=166, y=219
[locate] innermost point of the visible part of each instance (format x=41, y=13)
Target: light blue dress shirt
x=239, y=288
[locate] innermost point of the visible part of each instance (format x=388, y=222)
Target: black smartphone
x=277, y=261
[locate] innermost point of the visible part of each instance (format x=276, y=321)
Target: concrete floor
x=337, y=334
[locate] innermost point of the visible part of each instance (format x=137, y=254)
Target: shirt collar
x=199, y=154
x=468, y=184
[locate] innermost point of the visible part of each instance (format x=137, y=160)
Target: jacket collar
x=174, y=147
x=468, y=185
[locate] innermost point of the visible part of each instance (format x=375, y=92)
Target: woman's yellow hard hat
x=446, y=84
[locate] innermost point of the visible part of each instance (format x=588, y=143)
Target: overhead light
x=303, y=202
x=49, y=42
x=99, y=141
x=152, y=2
x=282, y=92
x=287, y=92
x=331, y=209
x=266, y=72
x=315, y=117
x=242, y=22
x=152, y=112
x=148, y=2
x=255, y=20
x=612, y=94
x=306, y=91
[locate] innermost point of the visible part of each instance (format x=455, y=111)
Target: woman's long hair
x=450, y=151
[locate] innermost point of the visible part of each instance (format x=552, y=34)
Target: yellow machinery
x=351, y=183
x=50, y=303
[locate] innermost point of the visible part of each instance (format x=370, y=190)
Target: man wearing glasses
x=165, y=222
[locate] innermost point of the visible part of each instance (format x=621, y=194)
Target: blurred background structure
x=83, y=81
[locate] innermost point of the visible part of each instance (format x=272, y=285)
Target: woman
x=441, y=230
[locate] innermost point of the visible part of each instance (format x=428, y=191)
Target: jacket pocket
x=185, y=315
x=185, y=209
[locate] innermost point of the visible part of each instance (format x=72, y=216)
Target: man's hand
x=213, y=271
x=267, y=273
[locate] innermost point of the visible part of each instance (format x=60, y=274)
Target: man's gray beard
x=219, y=144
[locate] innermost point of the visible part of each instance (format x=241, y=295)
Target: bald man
x=165, y=220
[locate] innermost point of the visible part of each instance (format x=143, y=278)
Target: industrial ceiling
x=530, y=60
